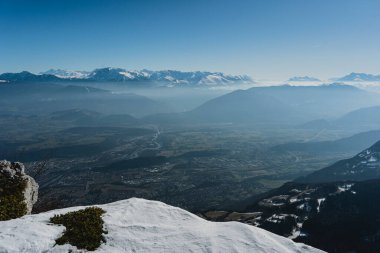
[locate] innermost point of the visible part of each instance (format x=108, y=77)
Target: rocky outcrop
x=18, y=191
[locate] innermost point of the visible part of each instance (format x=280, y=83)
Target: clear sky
x=267, y=39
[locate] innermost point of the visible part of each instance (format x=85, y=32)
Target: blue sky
x=267, y=39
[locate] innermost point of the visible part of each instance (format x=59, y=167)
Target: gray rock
x=16, y=169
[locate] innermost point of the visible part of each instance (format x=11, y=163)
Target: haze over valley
x=229, y=147
x=189, y=126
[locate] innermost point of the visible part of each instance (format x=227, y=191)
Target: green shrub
x=84, y=228
x=12, y=202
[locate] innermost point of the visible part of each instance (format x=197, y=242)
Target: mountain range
x=286, y=105
x=172, y=77
x=165, y=77
x=361, y=119
x=329, y=100
x=359, y=77
x=49, y=97
x=352, y=77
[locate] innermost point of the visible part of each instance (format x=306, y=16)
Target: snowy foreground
x=138, y=225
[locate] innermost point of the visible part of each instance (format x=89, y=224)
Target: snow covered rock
x=66, y=74
x=138, y=225
x=18, y=191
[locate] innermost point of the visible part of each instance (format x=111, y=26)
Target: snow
x=293, y=200
x=301, y=207
x=344, y=187
x=372, y=159
x=319, y=203
x=138, y=225
x=67, y=74
x=171, y=77
x=127, y=74
x=216, y=78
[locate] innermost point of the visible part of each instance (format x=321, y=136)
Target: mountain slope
x=246, y=106
x=335, y=209
x=288, y=105
x=363, y=117
x=347, y=222
x=26, y=76
x=137, y=225
x=354, y=144
x=337, y=217
x=322, y=101
x=49, y=97
x=363, y=166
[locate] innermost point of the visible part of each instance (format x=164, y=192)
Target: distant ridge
x=359, y=77
x=26, y=76
x=164, y=77
x=303, y=79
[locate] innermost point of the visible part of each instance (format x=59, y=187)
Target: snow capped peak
x=138, y=225
x=169, y=78
x=357, y=77
x=172, y=77
x=66, y=74
x=126, y=74
x=214, y=79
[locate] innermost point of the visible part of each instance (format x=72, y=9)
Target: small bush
x=12, y=200
x=84, y=228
